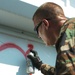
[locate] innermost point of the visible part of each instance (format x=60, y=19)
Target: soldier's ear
x=46, y=23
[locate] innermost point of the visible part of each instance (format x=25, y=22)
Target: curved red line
x=12, y=45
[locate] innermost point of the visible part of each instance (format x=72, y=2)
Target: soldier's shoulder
x=70, y=20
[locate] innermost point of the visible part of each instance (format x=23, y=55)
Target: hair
x=48, y=10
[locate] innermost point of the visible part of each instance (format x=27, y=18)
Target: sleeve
x=47, y=69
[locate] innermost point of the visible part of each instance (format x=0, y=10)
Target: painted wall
x=14, y=49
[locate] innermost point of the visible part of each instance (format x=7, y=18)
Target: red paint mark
x=12, y=45
x=30, y=74
x=30, y=47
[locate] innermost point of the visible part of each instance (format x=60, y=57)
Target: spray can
x=30, y=68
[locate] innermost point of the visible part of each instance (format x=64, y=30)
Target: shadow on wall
x=25, y=9
x=18, y=7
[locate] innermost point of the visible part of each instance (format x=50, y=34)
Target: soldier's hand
x=35, y=59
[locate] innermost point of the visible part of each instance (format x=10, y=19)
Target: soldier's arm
x=47, y=69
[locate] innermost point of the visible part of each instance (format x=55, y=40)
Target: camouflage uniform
x=65, y=47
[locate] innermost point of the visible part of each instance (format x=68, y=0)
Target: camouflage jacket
x=65, y=47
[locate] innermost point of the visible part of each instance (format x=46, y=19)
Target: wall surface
x=13, y=50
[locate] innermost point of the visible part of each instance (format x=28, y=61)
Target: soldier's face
x=46, y=32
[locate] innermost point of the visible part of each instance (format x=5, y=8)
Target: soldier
x=54, y=28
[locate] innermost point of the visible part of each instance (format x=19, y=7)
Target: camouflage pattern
x=47, y=69
x=65, y=46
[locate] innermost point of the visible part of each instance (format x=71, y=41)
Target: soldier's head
x=47, y=22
